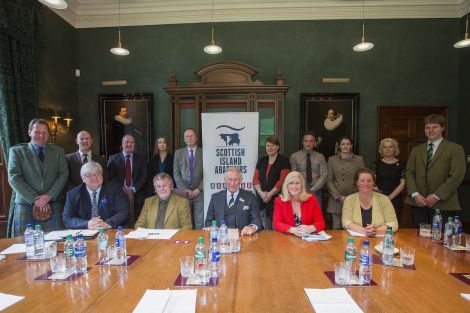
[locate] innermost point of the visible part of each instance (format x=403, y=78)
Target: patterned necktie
x=85, y=158
x=128, y=171
x=231, y=202
x=41, y=153
x=308, y=170
x=94, y=205
x=191, y=166
x=429, y=156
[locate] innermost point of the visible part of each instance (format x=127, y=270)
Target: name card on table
x=167, y=301
x=332, y=300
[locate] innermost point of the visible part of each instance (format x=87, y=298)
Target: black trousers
x=425, y=214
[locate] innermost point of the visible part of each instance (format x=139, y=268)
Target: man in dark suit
x=187, y=172
x=238, y=207
x=129, y=169
x=433, y=173
x=95, y=203
x=80, y=157
x=37, y=172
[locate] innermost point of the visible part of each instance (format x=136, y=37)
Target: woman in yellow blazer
x=368, y=212
x=174, y=208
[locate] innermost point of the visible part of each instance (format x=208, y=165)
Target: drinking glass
x=234, y=245
x=407, y=256
x=186, y=266
x=50, y=249
x=468, y=243
x=57, y=263
x=342, y=272
x=425, y=230
x=111, y=252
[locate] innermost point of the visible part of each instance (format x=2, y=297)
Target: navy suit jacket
x=112, y=206
x=75, y=164
x=117, y=173
x=246, y=209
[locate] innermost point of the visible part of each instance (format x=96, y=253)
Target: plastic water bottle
x=120, y=242
x=214, y=230
x=457, y=230
x=365, y=268
x=223, y=238
x=29, y=241
x=449, y=233
x=388, y=247
x=80, y=254
x=103, y=246
x=436, y=225
x=214, y=253
x=200, y=257
x=69, y=253
x=350, y=252
x=38, y=240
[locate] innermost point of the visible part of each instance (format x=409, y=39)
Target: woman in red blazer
x=296, y=211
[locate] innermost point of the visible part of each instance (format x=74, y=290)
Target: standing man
x=311, y=165
x=129, y=169
x=238, y=207
x=433, y=173
x=187, y=171
x=37, y=172
x=80, y=157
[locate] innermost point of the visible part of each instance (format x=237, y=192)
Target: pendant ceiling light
x=363, y=45
x=55, y=4
x=212, y=48
x=466, y=41
x=119, y=50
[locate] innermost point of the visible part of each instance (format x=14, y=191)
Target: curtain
x=18, y=83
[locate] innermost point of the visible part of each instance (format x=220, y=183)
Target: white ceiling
x=104, y=13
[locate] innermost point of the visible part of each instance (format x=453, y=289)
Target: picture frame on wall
x=330, y=116
x=126, y=114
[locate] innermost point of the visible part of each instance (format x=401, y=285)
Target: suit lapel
x=85, y=202
x=31, y=154
x=78, y=160
x=170, y=208
x=439, y=151
x=152, y=218
x=423, y=152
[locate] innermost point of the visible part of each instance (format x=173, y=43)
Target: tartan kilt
x=23, y=215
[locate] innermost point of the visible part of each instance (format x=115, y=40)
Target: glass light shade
x=463, y=43
x=119, y=50
x=212, y=49
x=363, y=46
x=55, y=4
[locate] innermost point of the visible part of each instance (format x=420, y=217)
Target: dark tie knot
x=128, y=156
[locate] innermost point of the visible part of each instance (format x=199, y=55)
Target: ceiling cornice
x=104, y=13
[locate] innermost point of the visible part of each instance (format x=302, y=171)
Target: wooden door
x=405, y=124
x=5, y=196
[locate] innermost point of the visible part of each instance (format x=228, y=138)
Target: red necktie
x=128, y=171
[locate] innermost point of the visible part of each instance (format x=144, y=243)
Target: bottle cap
x=450, y=219
x=69, y=236
x=222, y=222
x=456, y=217
x=29, y=225
x=214, y=223
x=79, y=236
x=101, y=230
x=351, y=240
x=119, y=228
x=38, y=227
x=366, y=243
x=200, y=239
x=438, y=211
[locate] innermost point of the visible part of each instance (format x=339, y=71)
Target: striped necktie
x=231, y=202
x=429, y=155
x=94, y=205
x=85, y=158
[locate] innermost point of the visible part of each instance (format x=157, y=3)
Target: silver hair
x=90, y=167
x=233, y=169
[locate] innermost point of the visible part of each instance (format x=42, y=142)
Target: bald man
x=83, y=155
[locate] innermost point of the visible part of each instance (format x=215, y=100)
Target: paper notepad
x=21, y=248
x=167, y=301
x=146, y=233
x=7, y=300
x=333, y=300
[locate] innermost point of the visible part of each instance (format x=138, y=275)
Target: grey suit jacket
x=445, y=174
x=181, y=169
x=75, y=164
x=30, y=177
x=246, y=209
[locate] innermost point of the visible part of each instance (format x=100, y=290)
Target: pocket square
x=246, y=208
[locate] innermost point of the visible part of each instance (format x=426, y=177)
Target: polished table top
x=269, y=275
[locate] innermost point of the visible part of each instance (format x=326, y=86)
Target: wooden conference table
x=269, y=275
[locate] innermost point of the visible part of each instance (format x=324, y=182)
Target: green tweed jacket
x=30, y=177
x=445, y=174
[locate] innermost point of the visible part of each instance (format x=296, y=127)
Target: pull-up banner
x=229, y=139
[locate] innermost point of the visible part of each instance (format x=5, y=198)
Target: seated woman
x=296, y=211
x=165, y=210
x=368, y=212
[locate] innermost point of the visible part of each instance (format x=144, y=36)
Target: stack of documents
x=317, y=236
x=7, y=300
x=145, y=233
x=167, y=301
x=331, y=300
x=356, y=234
x=62, y=234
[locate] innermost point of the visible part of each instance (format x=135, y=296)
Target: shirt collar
x=436, y=142
x=35, y=146
x=91, y=191
x=235, y=195
x=125, y=154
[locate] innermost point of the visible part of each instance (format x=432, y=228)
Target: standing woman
x=341, y=170
x=269, y=176
x=390, y=173
x=162, y=161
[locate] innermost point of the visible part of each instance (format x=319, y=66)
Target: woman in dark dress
x=162, y=161
x=390, y=172
x=269, y=176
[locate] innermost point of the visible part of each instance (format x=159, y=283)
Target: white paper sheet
x=321, y=236
x=356, y=234
x=61, y=234
x=6, y=300
x=333, y=300
x=466, y=296
x=167, y=301
x=145, y=233
x=20, y=248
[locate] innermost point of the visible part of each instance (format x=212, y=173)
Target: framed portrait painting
x=330, y=116
x=126, y=114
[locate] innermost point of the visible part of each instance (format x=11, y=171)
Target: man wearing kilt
x=37, y=172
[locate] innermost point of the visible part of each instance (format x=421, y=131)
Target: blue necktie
x=94, y=205
x=231, y=202
x=41, y=153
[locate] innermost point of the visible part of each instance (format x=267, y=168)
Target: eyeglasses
x=90, y=176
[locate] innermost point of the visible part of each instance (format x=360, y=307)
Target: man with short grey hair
x=95, y=203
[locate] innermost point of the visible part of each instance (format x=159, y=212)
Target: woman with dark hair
x=269, y=176
x=340, y=183
x=162, y=161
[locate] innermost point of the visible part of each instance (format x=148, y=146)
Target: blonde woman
x=295, y=211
